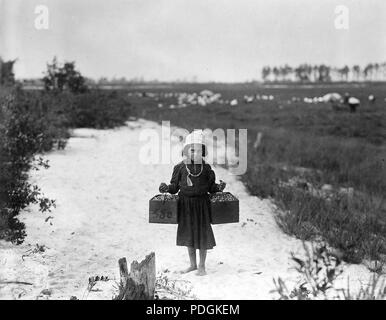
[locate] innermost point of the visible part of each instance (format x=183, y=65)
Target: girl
x=194, y=178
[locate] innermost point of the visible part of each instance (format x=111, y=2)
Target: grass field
x=309, y=158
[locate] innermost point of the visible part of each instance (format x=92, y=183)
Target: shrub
x=64, y=77
x=21, y=137
x=33, y=122
x=99, y=109
x=319, y=270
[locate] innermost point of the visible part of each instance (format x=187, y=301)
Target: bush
x=99, y=109
x=319, y=271
x=33, y=122
x=65, y=77
x=22, y=135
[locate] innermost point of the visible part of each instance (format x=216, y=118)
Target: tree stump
x=140, y=283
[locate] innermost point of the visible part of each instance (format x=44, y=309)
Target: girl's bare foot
x=201, y=271
x=191, y=268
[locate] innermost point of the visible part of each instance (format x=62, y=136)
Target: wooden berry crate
x=225, y=208
x=163, y=208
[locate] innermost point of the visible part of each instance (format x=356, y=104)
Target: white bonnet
x=197, y=136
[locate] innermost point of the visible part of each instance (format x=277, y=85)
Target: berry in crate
x=224, y=207
x=165, y=197
x=222, y=196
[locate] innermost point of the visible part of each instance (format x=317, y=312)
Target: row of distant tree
x=324, y=73
x=60, y=76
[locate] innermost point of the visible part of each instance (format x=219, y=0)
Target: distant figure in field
x=372, y=99
x=352, y=102
x=334, y=99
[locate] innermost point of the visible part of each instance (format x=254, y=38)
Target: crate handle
x=164, y=197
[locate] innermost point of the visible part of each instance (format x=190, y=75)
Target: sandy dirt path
x=102, y=192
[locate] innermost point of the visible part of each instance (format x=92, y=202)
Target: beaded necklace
x=188, y=181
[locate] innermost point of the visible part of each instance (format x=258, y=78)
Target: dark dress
x=194, y=210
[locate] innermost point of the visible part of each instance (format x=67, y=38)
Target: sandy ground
x=102, y=192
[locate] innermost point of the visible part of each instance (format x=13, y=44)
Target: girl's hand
x=221, y=186
x=163, y=187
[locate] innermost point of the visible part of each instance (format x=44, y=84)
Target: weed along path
x=102, y=193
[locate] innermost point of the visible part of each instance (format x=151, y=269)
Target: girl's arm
x=213, y=186
x=174, y=185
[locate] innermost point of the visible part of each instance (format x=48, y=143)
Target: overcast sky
x=220, y=40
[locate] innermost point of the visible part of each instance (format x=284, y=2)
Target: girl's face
x=195, y=152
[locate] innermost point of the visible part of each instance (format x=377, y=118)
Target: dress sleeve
x=213, y=186
x=174, y=185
